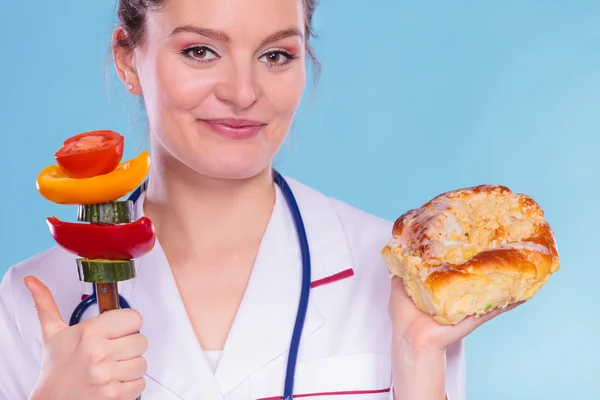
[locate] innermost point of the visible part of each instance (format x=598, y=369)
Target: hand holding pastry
x=458, y=261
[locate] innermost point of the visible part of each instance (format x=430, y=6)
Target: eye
x=200, y=54
x=277, y=58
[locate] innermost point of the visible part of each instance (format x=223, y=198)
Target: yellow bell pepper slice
x=54, y=185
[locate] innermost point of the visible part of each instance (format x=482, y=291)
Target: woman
x=215, y=302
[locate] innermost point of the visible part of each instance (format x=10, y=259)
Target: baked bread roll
x=471, y=250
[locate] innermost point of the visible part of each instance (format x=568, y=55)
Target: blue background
x=414, y=99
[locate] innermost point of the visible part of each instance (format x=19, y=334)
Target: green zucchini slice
x=114, y=212
x=105, y=271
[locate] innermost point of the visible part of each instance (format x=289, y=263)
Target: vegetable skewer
x=89, y=172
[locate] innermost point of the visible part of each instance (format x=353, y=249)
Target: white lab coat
x=345, y=347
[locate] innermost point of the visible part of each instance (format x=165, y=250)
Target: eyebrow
x=285, y=33
x=223, y=37
x=209, y=33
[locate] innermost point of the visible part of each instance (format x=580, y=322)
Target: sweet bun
x=471, y=250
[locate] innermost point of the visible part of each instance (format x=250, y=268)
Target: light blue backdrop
x=415, y=98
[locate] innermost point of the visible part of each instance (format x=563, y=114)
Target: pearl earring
x=129, y=87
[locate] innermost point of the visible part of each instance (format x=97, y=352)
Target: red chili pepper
x=99, y=241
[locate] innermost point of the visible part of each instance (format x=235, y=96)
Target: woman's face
x=221, y=81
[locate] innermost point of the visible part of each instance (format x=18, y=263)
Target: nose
x=239, y=87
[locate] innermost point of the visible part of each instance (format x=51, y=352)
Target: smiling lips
x=234, y=128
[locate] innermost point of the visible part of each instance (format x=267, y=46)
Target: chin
x=238, y=162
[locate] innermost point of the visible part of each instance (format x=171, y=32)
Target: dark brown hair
x=132, y=17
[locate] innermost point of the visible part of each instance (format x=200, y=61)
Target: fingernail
x=26, y=281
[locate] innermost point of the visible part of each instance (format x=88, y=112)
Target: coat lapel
x=175, y=359
x=330, y=253
x=264, y=324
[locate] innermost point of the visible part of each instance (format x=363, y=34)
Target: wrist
x=39, y=392
x=418, y=373
x=35, y=396
x=409, y=358
x=418, y=347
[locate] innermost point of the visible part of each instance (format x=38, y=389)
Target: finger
x=472, y=322
x=115, y=324
x=131, y=390
x=51, y=321
x=497, y=311
x=402, y=306
x=128, y=347
x=398, y=296
x=131, y=370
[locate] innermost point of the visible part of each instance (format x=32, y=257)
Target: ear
x=124, y=59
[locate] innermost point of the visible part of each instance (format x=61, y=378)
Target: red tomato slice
x=90, y=154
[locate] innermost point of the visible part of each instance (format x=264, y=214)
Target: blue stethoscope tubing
x=288, y=391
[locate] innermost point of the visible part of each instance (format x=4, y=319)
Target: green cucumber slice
x=105, y=271
x=115, y=212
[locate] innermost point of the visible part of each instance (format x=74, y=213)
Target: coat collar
x=330, y=253
x=263, y=326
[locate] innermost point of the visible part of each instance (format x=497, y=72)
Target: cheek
x=285, y=92
x=179, y=86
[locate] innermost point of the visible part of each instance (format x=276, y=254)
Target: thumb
x=51, y=321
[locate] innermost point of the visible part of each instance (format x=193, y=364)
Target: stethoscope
x=304, y=293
